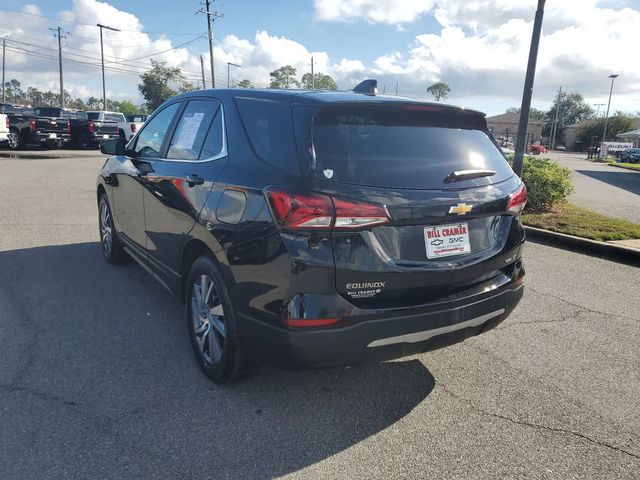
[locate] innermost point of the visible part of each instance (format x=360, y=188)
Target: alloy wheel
x=207, y=315
x=13, y=139
x=105, y=228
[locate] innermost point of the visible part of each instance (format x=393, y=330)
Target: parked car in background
x=316, y=229
x=630, y=155
x=133, y=123
x=106, y=125
x=4, y=127
x=36, y=127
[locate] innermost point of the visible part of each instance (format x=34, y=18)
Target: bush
x=548, y=183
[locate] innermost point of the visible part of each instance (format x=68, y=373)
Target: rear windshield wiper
x=459, y=175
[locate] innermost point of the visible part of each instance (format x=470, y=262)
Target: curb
x=607, y=251
x=45, y=155
x=626, y=168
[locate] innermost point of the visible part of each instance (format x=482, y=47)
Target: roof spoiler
x=367, y=87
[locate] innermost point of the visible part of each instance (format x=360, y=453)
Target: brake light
x=32, y=125
x=133, y=128
x=91, y=127
x=310, y=322
x=316, y=211
x=517, y=200
x=7, y=121
x=68, y=126
x=352, y=214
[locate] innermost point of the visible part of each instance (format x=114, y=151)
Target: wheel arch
x=191, y=251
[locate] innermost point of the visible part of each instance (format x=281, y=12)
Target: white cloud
x=373, y=11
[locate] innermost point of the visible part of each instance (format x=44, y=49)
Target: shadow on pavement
x=100, y=380
x=626, y=180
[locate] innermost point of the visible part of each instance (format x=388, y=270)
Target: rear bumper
x=101, y=137
x=43, y=137
x=391, y=336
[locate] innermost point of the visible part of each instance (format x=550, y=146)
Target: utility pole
x=313, y=77
x=4, y=55
x=104, y=88
x=554, y=125
x=606, y=118
x=229, y=64
x=204, y=84
x=58, y=33
x=598, y=109
x=211, y=17
x=528, y=90
x=396, y=89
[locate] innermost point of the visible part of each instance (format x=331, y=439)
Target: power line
x=91, y=24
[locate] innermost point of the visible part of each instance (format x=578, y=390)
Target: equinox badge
x=460, y=209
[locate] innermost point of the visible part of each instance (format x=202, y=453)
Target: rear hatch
x=445, y=187
x=102, y=127
x=49, y=121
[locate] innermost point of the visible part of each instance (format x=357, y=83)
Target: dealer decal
x=364, y=289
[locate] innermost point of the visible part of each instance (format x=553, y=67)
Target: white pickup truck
x=127, y=126
x=4, y=127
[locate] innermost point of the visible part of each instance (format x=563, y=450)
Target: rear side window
x=270, y=131
x=403, y=146
x=196, y=121
x=150, y=138
x=114, y=117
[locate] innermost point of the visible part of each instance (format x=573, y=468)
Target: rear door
x=131, y=178
x=181, y=181
x=444, y=184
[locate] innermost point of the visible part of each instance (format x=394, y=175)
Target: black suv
x=316, y=229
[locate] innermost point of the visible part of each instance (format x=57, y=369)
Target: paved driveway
x=604, y=189
x=97, y=378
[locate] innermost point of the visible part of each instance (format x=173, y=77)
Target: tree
x=187, y=87
x=129, y=108
x=93, y=103
x=284, y=77
x=322, y=82
x=618, y=123
x=244, y=84
x=158, y=84
x=534, y=113
x=439, y=90
x=13, y=91
x=573, y=109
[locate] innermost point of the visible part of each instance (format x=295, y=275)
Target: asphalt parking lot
x=97, y=377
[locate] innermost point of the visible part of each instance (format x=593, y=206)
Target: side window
x=270, y=130
x=152, y=135
x=189, y=137
x=214, y=142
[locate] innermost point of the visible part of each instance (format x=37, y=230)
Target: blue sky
x=479, y=48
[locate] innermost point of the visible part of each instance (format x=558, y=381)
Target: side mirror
x=115, y=146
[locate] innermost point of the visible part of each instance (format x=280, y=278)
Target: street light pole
x=230, y=64
x=528, y=90
x=598, y=109
x=104, y=88
x=606, y=118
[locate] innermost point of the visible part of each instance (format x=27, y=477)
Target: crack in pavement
x=582, y=307
x=535, y=425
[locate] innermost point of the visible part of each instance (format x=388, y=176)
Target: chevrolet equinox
x=316, y=229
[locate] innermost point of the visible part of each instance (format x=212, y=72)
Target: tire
x=111, y=246
x=14, y=139
x=212, y=328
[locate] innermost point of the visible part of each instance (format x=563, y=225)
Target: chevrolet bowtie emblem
x=460, y=209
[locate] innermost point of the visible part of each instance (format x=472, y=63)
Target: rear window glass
x=268, y=126
x=93, y=115
x=403, y=146
x=114, y=117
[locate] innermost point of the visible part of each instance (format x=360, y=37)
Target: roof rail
x=367, y=87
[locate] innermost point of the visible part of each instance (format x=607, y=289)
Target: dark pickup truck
x=36, y=127
x=86, y=128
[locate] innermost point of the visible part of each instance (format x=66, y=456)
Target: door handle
x=194, y=179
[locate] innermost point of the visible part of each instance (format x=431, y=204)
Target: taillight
x=91, y=127
x=68, y=126
x=8, y=122
x=301, y=210
x=295, y=211
x=353, y=214
x=133, y=128
x=517, y=200
x=32, y=125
